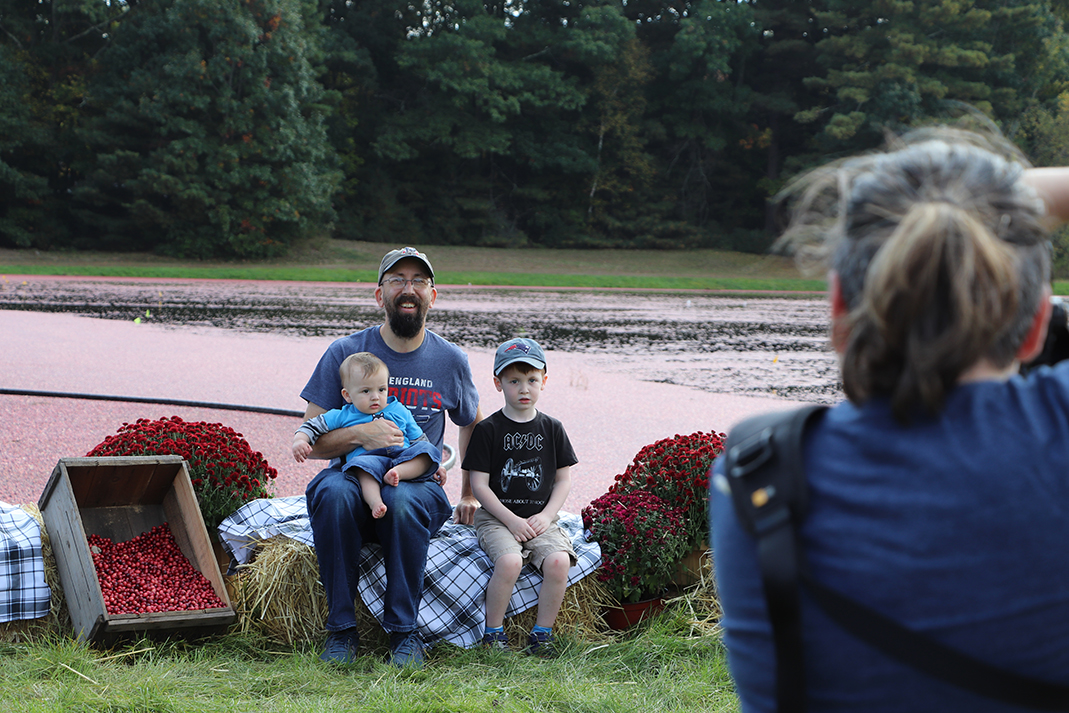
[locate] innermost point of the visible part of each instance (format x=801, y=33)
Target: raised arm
x=1052, y=184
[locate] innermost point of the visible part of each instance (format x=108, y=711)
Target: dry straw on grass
x=279, y=595
x=700, y=601
x=580, y=615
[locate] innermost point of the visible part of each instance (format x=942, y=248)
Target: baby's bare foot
x=391, y=477
x=378, y=511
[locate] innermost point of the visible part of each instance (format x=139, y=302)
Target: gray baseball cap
x=519, y=349
x=394, y=256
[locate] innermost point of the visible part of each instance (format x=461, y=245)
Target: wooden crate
x=119, y=498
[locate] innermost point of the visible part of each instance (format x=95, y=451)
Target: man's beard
x=403, y=324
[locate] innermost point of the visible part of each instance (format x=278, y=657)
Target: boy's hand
x=301, y=450
x=521, y=530
x=539, y=523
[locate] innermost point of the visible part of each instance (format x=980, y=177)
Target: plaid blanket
x=457, y=574
x=23, y=591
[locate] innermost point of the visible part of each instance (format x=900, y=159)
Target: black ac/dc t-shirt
x=521, y=458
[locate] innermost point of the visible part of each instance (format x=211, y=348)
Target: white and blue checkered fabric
x=454, y=585
x=24, y=594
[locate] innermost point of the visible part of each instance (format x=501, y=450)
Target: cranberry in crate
x=138, y=516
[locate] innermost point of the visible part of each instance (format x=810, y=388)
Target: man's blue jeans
x=342, y=523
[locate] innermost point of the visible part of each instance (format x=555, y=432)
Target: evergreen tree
x=696, y=119
x=772, y=67
x=46, y=48
x=555, y=123
x=209, y=140
x=24, y=191
x=466, y=117
x=893, y=63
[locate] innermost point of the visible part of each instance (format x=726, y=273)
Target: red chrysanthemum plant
x=225, y=471
x=641, y=538
x=677, y=471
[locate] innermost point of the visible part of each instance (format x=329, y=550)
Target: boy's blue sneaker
x=341, y=646
x=541, y=644
x=406, y=649
x=496, y=640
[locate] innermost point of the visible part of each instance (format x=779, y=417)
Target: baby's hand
x=301, y=450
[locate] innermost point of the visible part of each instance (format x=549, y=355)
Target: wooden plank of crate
x=113, y=481
x=77, y=575
x=187, y=524
x=124, y=523
x=172, y=620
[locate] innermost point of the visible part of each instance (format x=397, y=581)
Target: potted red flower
x=642, y=539
x=677, y=471
x=225, y=471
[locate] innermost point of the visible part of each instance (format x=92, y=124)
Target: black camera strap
x=764, y=470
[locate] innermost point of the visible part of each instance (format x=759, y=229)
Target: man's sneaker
x=406, y=649
x=540, y=643
x=496, y=640
x=341, y=646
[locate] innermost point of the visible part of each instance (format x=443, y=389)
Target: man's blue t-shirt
x=956, y=526
x=430, y=381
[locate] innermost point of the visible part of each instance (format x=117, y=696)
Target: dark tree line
x=232, y=128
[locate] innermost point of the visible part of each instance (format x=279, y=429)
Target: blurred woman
x=939, y=492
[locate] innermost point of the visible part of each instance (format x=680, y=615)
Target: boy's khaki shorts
x=497, y=540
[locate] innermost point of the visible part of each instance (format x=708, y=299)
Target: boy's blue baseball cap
x=519, y=349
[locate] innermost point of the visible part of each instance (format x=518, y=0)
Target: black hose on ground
x=448, y=459
x=162, y=402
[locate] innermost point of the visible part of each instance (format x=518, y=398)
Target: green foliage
x=45, y=50
x=209, y=140
x=234, y=129
x=892, y=64
x=18, y=133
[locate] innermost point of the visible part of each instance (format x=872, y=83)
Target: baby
x=365, y=387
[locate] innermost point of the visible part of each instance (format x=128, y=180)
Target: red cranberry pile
x=149, y=574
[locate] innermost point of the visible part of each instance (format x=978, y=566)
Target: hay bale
x=279, y=595
x=581, y=614
x=58, y=619
x=700, y=602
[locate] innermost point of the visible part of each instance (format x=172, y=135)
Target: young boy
x=520, y=465
x=365, y=381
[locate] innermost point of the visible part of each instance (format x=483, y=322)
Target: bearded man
x=430, y=376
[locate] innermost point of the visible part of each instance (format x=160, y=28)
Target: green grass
x=348, y=261
x=657, y=668
x=328, y=260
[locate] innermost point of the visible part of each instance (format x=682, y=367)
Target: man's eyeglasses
x=418, y=283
